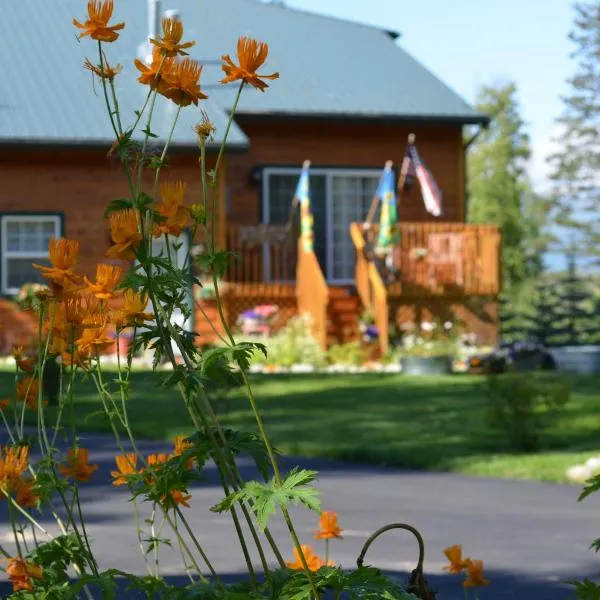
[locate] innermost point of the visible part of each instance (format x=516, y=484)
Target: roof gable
x=328, y=67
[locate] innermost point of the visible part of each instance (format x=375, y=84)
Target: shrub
x=524, y=404
x=351, y=353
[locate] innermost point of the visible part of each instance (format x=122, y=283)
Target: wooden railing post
x=312, y=293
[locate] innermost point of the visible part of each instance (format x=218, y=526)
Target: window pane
x=20, y=271
x=352, y=196
x=12, y=236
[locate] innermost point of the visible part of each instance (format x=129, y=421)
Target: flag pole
x=295, y=201
x=374, y=201
x=405, y=165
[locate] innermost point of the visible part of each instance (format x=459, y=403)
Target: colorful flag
x=432, y=195
x=388, y=231
x=306, y=217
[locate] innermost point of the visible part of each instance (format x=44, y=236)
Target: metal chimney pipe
x=173, y=13
x=153, y=18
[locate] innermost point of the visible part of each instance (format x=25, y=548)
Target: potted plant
x=428, y=348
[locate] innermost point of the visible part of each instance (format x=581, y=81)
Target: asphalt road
x=532, y=536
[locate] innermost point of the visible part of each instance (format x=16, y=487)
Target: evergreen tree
x=576, y=167
x=499, y=190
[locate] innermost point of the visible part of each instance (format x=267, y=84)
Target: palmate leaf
x=267, y=497
x=591, y=486
x=586, y=589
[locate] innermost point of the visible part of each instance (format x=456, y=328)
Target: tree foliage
x=576, y=166
x=499, y=189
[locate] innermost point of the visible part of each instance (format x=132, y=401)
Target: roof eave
x=474, y=119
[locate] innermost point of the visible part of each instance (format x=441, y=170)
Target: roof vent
x=145, y=48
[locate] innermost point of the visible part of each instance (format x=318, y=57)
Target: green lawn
x=426, y=423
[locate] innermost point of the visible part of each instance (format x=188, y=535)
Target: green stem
x=227, y=129
x=11, y=517
x=106, y=100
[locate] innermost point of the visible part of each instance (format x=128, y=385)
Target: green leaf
x=116, y=205
x=586, y=589
x=591, y=486
x=265, y=498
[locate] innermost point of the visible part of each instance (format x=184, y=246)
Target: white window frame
x=6, y=255
x=329, y=174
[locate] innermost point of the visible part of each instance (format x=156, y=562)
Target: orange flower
x=63, y=256
x=104, y=71
x=26, y=496
x=27, y=390
x=454, y=555
x=126, y=466
x=172, y=34
x=475, y=576
x=20, y=573
x=183, y=83
x=78, y=359
x=328, y=526
x=12, y=465
x=155, y=75
x=172, y=210
x=157, y=459
x=124, y=233
x=78, y=466
x=4, y=403
x=96, y=25
x=107, y=277
x=251, y=56
x=180, y=498
x=181, y=445
x=78, y=308
x=94, y=340
x=312, y=560
x=132, y=312
x=24, y=363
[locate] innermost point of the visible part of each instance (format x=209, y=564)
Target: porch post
x=222, y=205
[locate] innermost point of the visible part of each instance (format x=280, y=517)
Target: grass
x=435, y=423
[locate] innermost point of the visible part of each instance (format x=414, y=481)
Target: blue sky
x=467, y=43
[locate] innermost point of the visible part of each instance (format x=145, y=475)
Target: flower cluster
x=473, y=568
x=328, y=529
x=14, y=483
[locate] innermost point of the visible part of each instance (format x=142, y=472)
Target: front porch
x=444, y=270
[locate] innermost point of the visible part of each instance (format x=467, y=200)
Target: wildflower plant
x=80, y=318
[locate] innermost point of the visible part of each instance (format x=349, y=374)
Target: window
x=23, y=240
x=339, y=197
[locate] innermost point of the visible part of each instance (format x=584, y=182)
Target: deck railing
x=265, y=254
x=444, y=259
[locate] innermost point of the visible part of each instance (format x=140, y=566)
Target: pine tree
x=499, y=190
x=576, y=167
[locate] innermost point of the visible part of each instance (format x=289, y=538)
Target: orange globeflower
x=78, y=466
x=251, y=56
x=63, y=256
x=12, y=465
x=179, y=498
x=126, y=465
x=183, y=83
x=205, y=129
x=132, y=312
x=312, y=560
x=328, y=526
x=26, y=496
x=156, y=74
x=96, y=25
x=24, y=363
x=125, y=234
x=4, y=403
x=78, y=359
x=457, y=563
x=104, y=71
x=172, y=210
x=20, y=573
x=27, y=390
x=475, y=576
x=94, y=340
x=107, y=277
x=169, y=41
x=181, y=445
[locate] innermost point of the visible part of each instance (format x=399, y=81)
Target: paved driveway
x=532, y=536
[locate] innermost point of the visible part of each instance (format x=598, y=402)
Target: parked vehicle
x=520, y=356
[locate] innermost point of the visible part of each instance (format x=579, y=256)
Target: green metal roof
x=329, y=68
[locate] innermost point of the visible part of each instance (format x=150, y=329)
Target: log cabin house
x=348, y=97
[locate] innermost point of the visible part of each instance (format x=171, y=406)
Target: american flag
x=432, y=195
